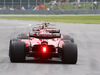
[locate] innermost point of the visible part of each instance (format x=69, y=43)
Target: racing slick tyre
x=10, y=44
x=68, y=38
x=69, y=53
x=66, y=35
x=17, y=51
x=22, y=36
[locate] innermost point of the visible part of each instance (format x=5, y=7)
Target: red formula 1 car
x=44, y=44
x=44, y=26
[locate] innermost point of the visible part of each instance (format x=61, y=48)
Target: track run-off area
x=86, y=36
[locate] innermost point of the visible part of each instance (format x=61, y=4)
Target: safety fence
x=50, y=12
x=49, y=4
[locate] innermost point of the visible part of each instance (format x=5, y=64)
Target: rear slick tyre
x=22, y=36
x=10, y=45
x=69, y=53
x=17, y=51
x=68, y=38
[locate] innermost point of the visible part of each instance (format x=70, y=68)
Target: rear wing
x=48, y=30
x=53, y=30
x=45, y=35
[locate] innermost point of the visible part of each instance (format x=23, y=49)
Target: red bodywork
x=51, y=45
x=35, y=41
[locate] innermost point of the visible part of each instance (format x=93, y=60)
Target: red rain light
x=44, y=50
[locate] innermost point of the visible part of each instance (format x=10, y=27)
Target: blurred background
x=49, y=6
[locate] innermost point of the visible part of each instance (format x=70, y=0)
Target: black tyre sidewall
x=22, y=36
x=17, y=51
x=69, y=53
x=10, y=45
x=68, y=38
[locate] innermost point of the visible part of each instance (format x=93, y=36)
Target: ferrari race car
x=43, y=45
x=43, y=26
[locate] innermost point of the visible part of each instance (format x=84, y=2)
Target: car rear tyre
x=69, y=53
x=22, y=36
x=68, y=38
x=66, y=35
x=10, y=44
x=17, y=51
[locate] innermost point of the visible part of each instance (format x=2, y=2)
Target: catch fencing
x=49, y=6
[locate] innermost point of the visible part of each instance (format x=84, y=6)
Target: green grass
x=65, y=19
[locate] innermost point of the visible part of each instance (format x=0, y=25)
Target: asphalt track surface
x=87, y=37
